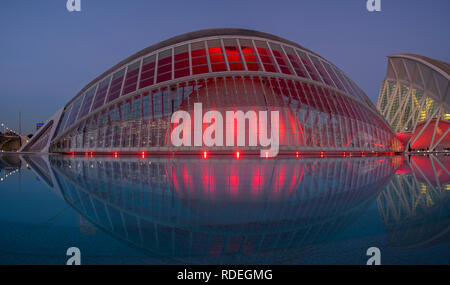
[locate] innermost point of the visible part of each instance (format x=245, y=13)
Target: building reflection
x=415, y=205
x=218, y=210
x=10, y=166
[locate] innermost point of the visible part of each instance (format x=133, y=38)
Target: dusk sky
x=47, y=54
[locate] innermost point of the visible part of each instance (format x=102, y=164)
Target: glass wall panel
x=181, y=64
x=74, y=112
x=281, y=59
x=322, y=71
x=309, y=66
x=296, y=63
x=87, y=103
x=266, y=56
x=63, y=121
x=233, y=54
x=199, y=59
x=216, y=56
x=101, y=93
x=116, y=85
x=137, y=108
x=148, y=71
x=164, y=72
x=249, y=54
x=131, y=79
x=157, y=104
x=337, y=79
x=102, y=125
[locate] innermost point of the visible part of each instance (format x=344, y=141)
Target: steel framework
x=414, y=98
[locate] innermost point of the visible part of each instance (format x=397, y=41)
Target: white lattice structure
x=414, y=98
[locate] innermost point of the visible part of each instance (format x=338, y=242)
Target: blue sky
x=48, y=54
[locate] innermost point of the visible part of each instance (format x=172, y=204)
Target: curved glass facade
x=129, y=108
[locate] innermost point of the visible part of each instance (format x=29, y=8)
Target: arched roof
x=192, y=36
x=439, y=66
x=429, y=75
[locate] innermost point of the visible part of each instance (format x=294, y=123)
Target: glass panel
x=322, y=71
x=233, y=54
x=74, y=112
x=281, y=59
x=116, y=129
x=250, y=57
x=148, y=72
x=296, y=63
x=168, y=103
x=181, y=61
x=101, y=93
x=199, y=60
x=102, y=123
x=147, y=106
x=137, y=108
x=335, y=75
x=63, y=122
x=87, y=103
x=216, y=56
x=92, y=132
x=157, y=104
x=265, y=55
x=116, y=85
x=309, y=66
x=125, y=110
x=108, y=133
x=164, y=66
x=131, y=78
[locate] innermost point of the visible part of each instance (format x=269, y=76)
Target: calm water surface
x=187, y=210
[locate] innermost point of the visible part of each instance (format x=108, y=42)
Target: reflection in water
x=230, y=211
x=415, y=206
x=218, y=210
x=9, y=166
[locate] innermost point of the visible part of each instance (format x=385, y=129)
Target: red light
x=115, y=154
x=143, y=154
x=267, y=154
x=321, y=154
x=237, y=154
x=205, y=154
x=296, y=154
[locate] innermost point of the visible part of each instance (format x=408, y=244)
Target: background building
x=128, y=108
x=415, y=100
